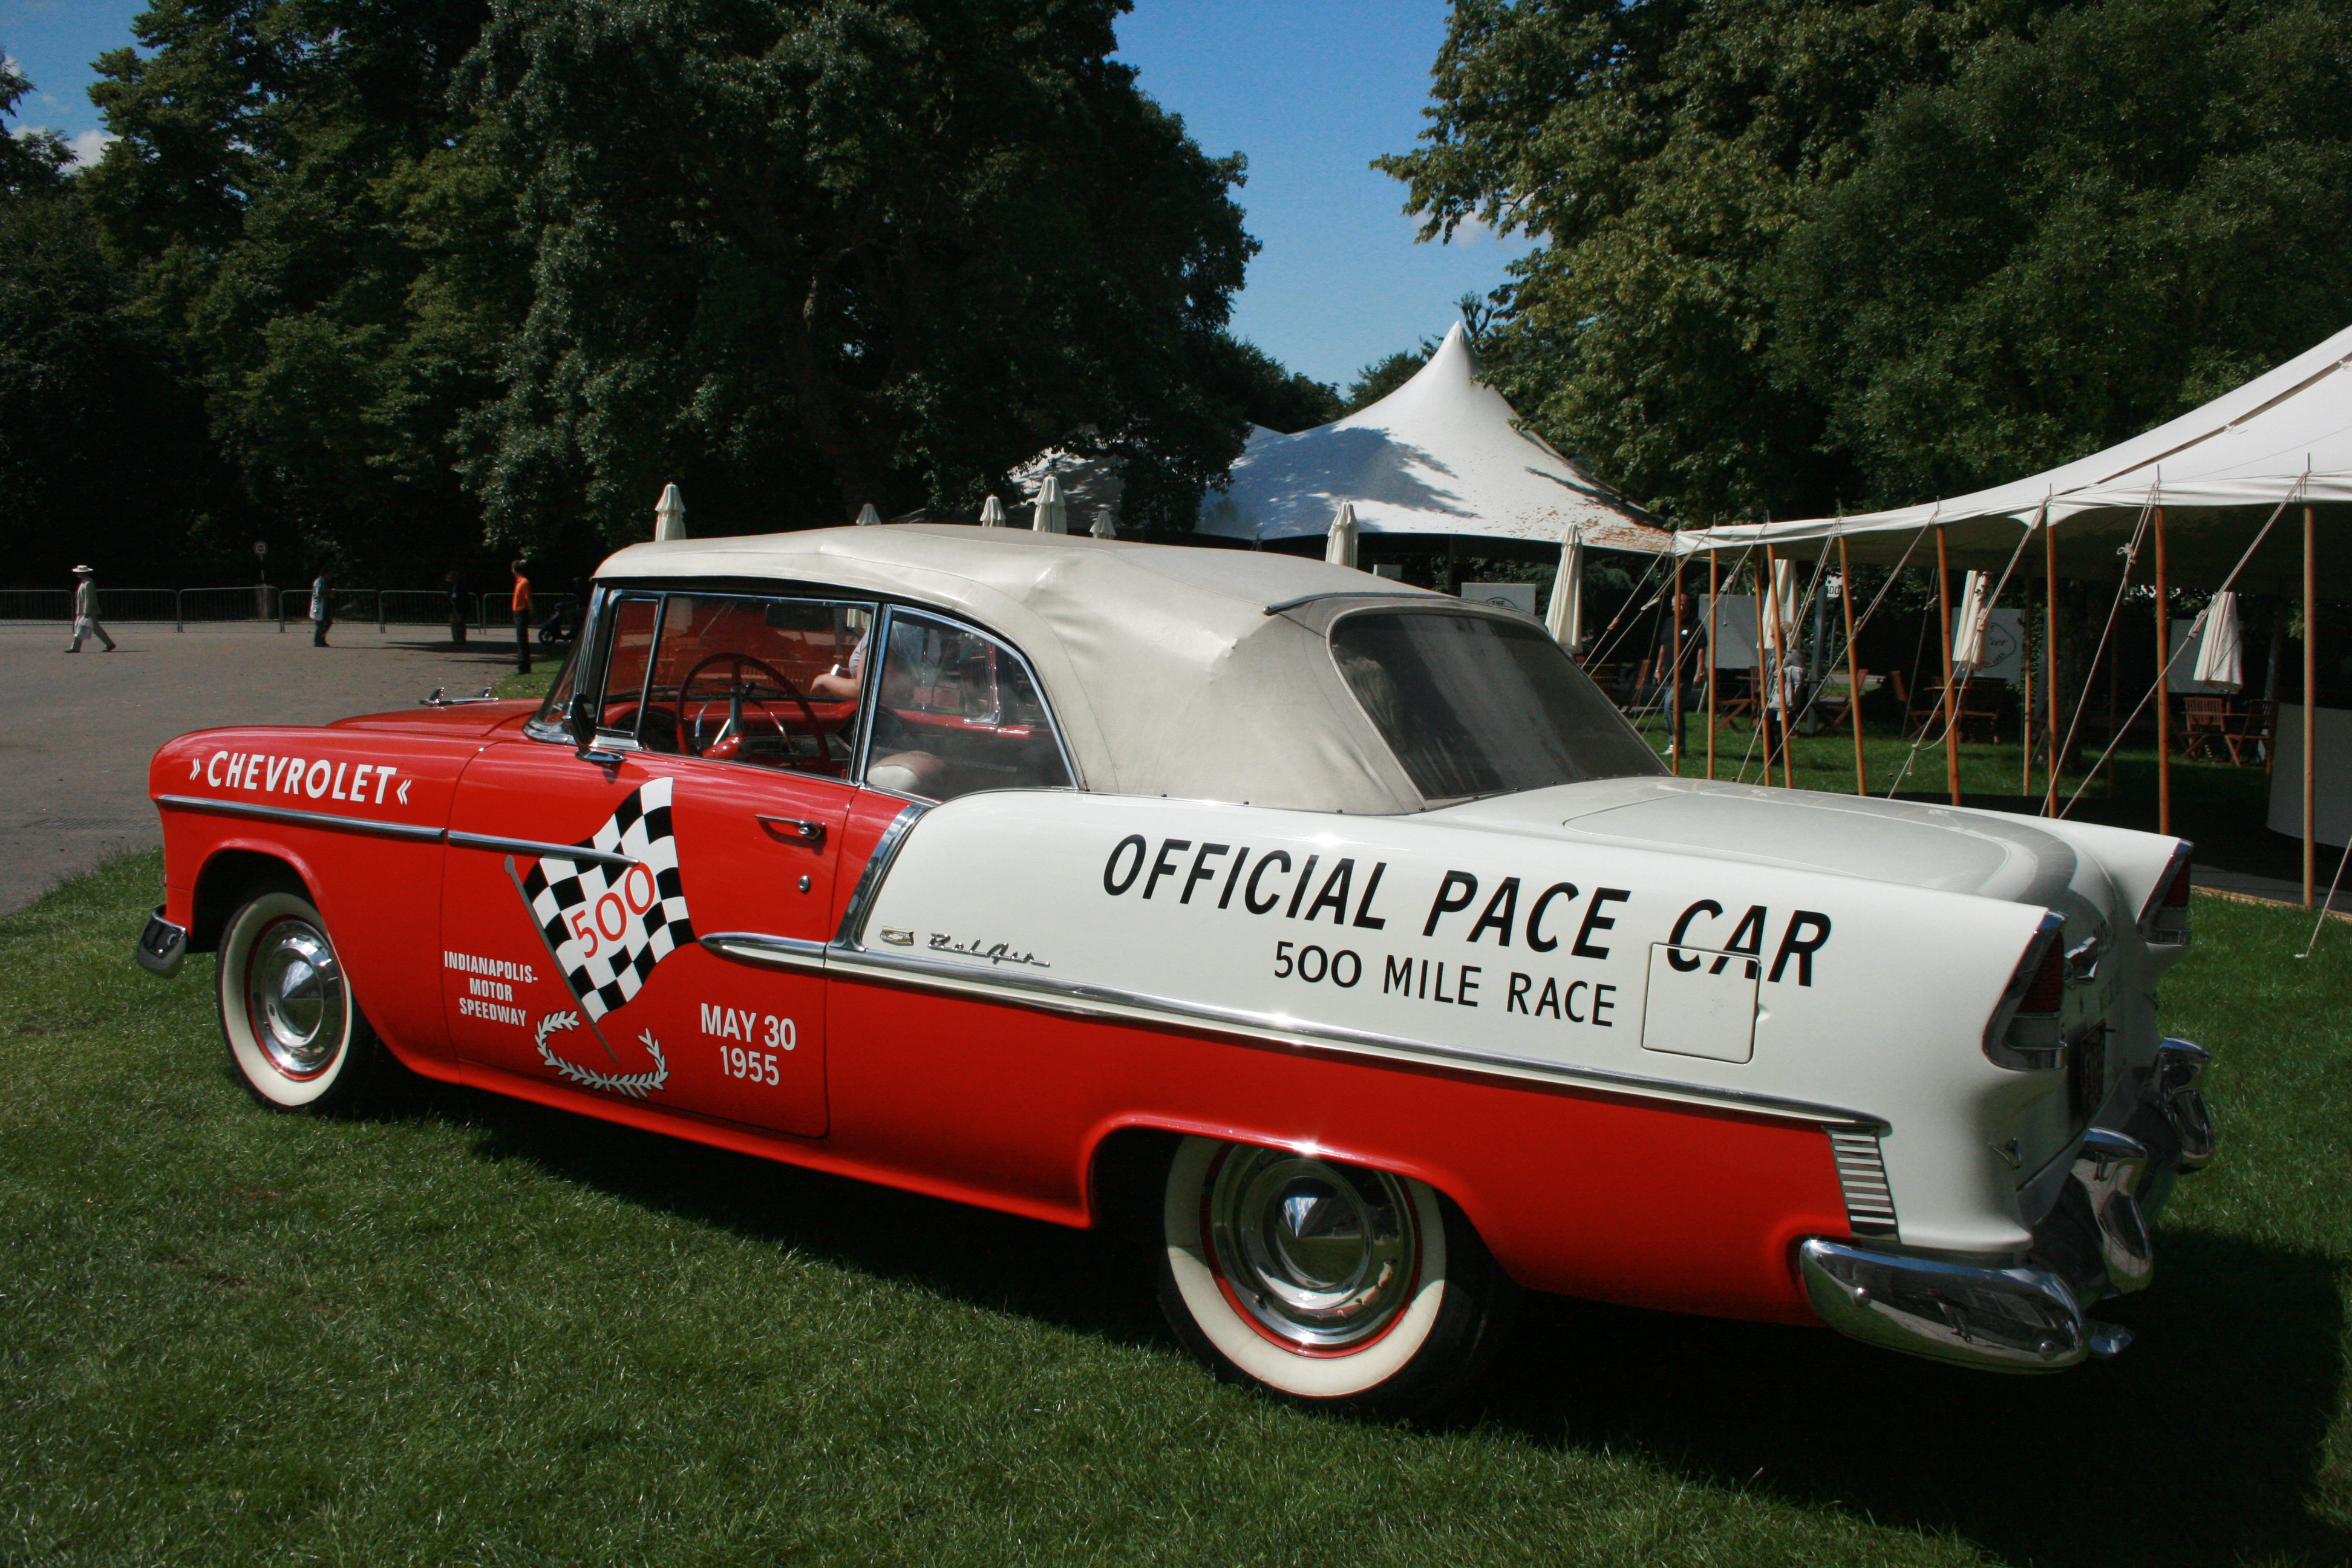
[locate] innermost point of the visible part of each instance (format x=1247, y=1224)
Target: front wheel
x=295, y=1032
x=1330, y=1284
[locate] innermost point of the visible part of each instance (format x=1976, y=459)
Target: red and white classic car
x=986, y=863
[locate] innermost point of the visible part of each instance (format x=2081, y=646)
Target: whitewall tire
x=295, y=1032
x=1328, y=1283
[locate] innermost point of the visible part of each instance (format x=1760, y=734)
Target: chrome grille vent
x=1861, y=1173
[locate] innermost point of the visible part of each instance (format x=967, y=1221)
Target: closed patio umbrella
x=1564, y=616
x=1339, y=539
x=1968, y=626
x=2220, y=658
x=992, y=513
x=669, y=514
x=1050, y=516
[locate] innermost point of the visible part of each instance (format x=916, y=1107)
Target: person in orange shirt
x=522, y=619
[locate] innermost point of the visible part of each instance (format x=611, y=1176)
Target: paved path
x=76, y=732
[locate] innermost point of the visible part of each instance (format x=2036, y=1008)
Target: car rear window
x=1477, y=705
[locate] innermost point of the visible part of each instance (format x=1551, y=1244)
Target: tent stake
x=2163, y=688
x=1853, y=675
x=2310, y=704
x=1951, y=700
x=2049, y=647
x=1715, y=592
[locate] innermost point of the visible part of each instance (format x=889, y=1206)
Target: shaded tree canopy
x=99, y=440
x=1798, y=254
x=452, y=276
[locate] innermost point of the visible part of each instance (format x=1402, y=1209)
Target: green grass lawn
x=1825, y=762
x=482, y=1332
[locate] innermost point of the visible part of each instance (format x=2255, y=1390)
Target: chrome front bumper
x=2031, y=1316
x=162, y=946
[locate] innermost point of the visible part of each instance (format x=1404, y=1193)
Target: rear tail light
x=2027, y=1030
x=2164, y=923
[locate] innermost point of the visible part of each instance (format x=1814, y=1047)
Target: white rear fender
x=1668, y=976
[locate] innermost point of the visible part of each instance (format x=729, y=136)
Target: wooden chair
x=2205, y=728
x=2254, y=725
x=1981, y=701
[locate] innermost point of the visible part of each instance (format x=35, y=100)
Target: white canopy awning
x=2218, y=471
x=1440, y=455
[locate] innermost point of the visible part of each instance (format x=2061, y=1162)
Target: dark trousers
x=458, y=628
x=522, y=642
x=319, y=633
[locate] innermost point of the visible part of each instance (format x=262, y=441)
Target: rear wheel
x=1328, y=1283
x=295, y=1032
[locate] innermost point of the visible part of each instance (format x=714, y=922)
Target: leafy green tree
x=297, y=198
x=1274, y=397
x=102, y=452
x=807, y=256
x=1796, y=253
x=29, y=160
x=2089, y=229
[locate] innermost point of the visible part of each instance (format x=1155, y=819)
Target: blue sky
x=1311, y=89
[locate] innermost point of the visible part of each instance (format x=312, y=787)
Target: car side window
x=738, y=677
x=956, y=711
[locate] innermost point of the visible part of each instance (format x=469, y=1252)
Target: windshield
x=1479, y=705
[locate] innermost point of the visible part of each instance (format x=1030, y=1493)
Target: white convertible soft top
x=1165, y=670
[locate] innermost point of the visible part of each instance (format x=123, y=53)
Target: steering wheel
x=737, y=692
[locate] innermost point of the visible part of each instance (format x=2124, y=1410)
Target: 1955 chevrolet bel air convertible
x=982, y=861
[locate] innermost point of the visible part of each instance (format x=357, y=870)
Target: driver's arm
x=841, y=683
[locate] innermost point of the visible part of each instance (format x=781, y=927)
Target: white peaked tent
x=1440, y=455
x=2248, y=491
x=2283, y=437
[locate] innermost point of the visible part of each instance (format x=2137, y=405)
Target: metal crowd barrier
x=387, y=608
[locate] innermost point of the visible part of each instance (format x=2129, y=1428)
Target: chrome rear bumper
x=2031, y=1316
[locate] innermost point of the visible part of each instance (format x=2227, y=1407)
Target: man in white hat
x=86, y=611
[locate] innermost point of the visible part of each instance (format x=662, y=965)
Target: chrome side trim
x=869, y=881
x=534, y=847
x=1344, y=593
x=768, y=952
x=1106, y=1002
x=1996, y=1320
x=373, y=826
x=1861, y=1175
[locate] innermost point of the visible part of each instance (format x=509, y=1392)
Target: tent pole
x=2163, y=688
x=2050, y=648
x=1785, y=691
x=1714, y=593
x=1853, y=675
x=2025, y=692
x=1766, y=628
x=2310, y=704
x=1674, y=675
x=1951, y=698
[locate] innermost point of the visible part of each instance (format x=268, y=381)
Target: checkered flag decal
x=644, y=903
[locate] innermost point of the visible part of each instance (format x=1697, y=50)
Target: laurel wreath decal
x=635, y=1084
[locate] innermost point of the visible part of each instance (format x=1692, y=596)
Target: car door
x=646, y=922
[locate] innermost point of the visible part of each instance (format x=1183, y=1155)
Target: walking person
x=323, y=615
x=456, y=610
x=521, y=618
x=86, y=611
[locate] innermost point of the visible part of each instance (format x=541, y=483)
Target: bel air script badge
x=995, y=953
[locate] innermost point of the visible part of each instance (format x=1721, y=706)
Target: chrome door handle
x=796, y=830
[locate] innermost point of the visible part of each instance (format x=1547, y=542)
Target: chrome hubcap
x=295, y=997
x=1321, y=1254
